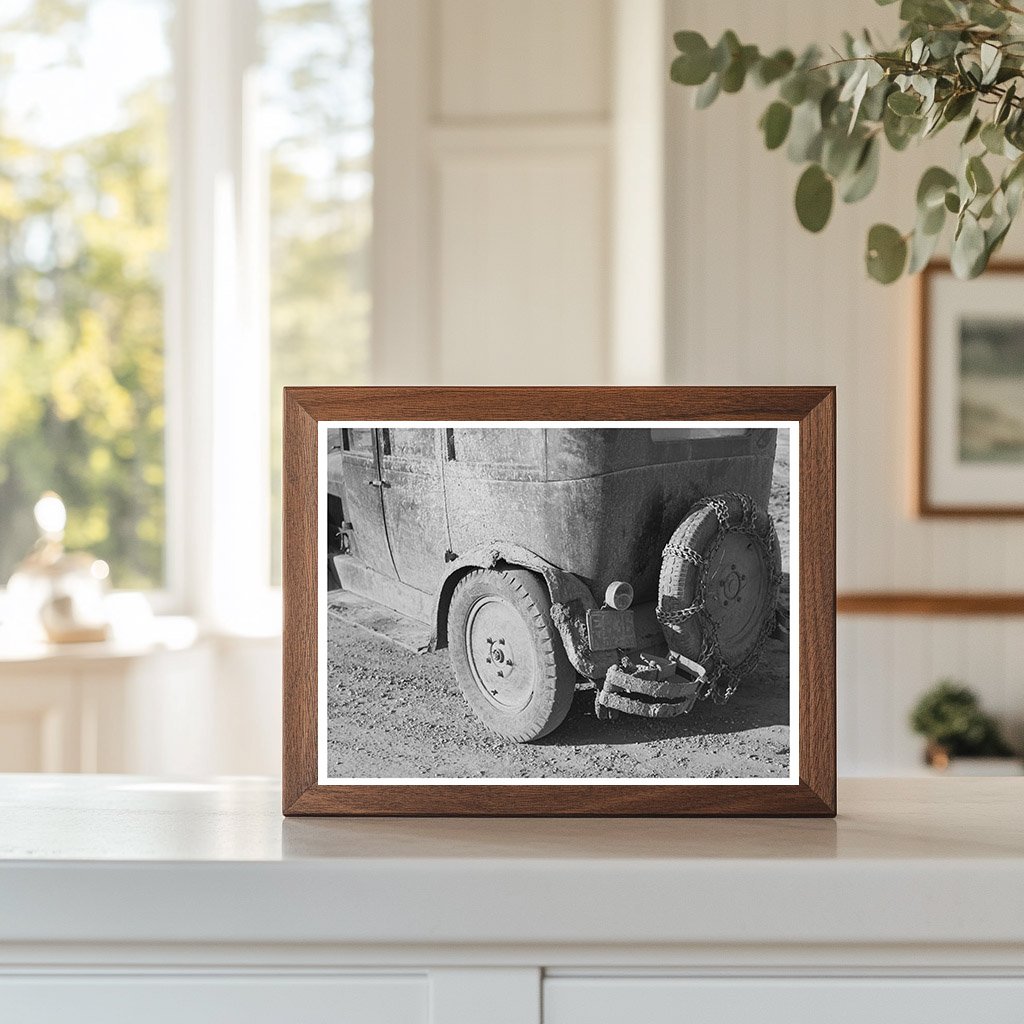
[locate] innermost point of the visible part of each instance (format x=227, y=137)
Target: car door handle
x=378, y=483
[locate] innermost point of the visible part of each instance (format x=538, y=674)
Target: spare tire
x=719, y=585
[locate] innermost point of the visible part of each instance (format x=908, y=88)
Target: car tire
x=506, y=654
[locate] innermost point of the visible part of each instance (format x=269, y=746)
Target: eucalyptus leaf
x=973, y=130
x=968, y=248
x=865, y=173
x=987, y=15
x=805, y=133
x=931, y=190
x=931, y=222
x=958, y=105
x=840, y=152
x=814, y=196
x=900, y=130
x=1005, y=105
x=771, y=69
x=993, y=138
x=707, y=93
x=775, y=124
x=978, y=176
x=735, y=74
x=886, y=253
x=991, y=60
x=922, y=247
x=794, y=88
x=904, y=103
x=724, y=51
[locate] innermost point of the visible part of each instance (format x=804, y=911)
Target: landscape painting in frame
x=972, y=423
x=535, y=603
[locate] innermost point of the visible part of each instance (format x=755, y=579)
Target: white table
x=197, y=902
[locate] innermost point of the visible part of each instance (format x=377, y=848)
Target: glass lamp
x=55, y=595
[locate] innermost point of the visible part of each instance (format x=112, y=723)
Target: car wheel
x=507, y=655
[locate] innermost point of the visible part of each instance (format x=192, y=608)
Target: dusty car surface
x=641, y=559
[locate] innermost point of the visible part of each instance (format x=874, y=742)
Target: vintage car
x=641, y=559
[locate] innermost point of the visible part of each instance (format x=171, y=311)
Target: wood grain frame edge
x=815, y=796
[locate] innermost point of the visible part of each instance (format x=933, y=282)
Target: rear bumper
x=654, y=688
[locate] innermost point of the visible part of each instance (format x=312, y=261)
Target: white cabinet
x=823, y=1000
x=132, y=898
x=202, y=999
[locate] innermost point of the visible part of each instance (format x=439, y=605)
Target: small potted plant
x=950, y=718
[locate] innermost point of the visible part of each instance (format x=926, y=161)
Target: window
x=359, y=440
x=665, y=434
x=83, y=236
x=500, y=446
x=317, y=119
x=204, y=165
x=410, y=442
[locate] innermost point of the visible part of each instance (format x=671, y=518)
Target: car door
x=413, y=496
x=364, y=506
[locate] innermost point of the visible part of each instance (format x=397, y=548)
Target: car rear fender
x=563, y=588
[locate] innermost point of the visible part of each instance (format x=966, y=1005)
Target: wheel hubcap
x=737, y=592
x=498, y=646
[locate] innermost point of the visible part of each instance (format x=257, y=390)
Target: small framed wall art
x=559, y=601
x=970, y=422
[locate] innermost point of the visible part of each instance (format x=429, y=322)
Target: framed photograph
x=559, y=601
x=970, y=445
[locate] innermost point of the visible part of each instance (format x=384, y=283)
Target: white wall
x=754, y=299
x=529, y=164
x=494, y=190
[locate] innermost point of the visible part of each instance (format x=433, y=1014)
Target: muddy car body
x=641, y=559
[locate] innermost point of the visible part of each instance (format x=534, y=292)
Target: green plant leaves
x=886, y=254
x=814, y=196
x=904, y=103
x=693, y=65
x=969, y=253
x=978, y=176
x=775, y=122
x=771, y=69
x=805, y=133
x=993, y=138
x=956, y=60
x=865, y=173
x=932, y=189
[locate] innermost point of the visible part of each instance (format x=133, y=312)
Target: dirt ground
x=393, y=714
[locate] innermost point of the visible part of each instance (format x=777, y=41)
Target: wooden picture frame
x=810, y=409
x=931, y=378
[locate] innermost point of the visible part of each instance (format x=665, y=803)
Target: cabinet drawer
x=660, y=1000
x=224, y=999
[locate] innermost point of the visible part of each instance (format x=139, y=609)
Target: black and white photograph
x=522, y=602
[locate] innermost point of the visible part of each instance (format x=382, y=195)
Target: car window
x=665, y=434
x=410, y=442
x=498, y=446
x=359, y=440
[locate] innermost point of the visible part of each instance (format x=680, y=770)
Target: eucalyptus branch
x=955, y=61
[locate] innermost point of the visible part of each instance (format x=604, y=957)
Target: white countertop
x=119, y=859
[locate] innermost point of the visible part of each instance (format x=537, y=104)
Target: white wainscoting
x=754, y=299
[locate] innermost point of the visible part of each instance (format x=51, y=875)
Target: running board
x=375, y=618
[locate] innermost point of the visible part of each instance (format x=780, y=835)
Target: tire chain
x=710, y=653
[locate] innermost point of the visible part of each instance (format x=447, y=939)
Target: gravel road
x=392, y=714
